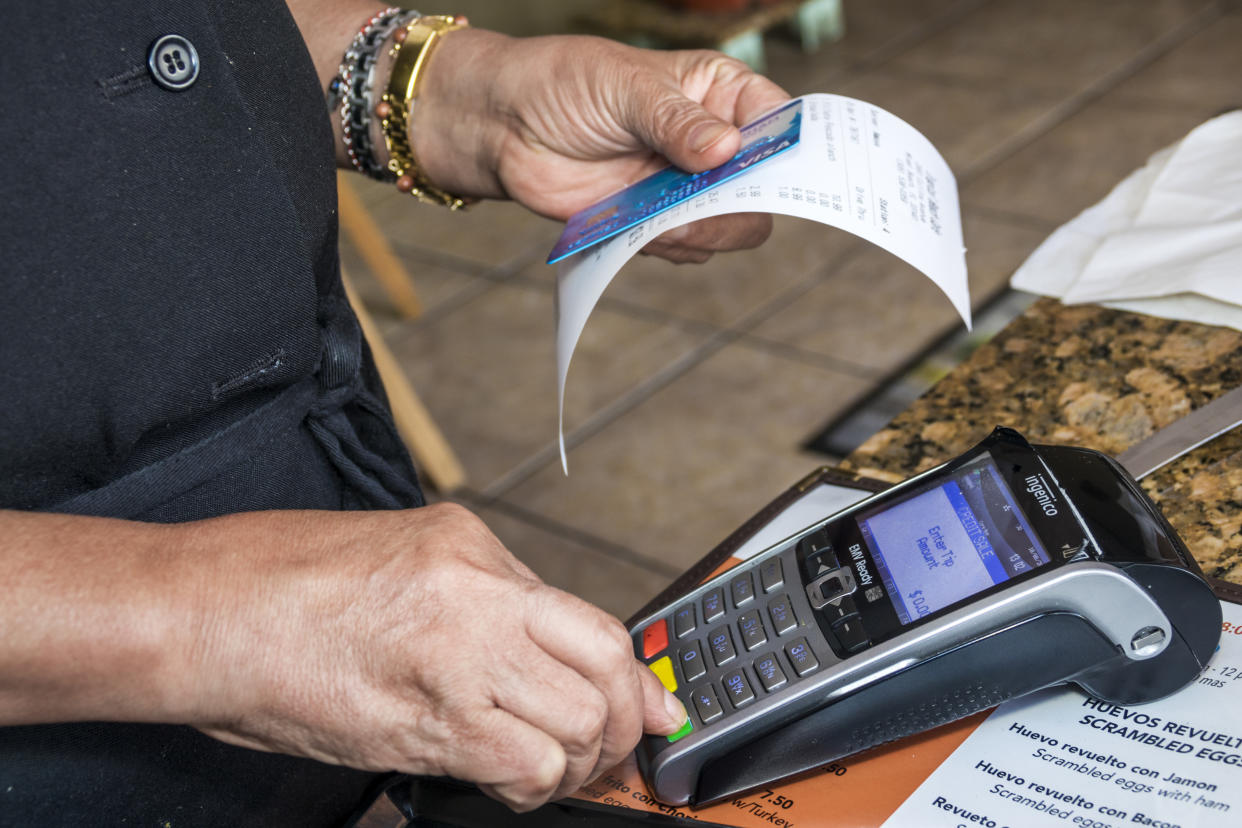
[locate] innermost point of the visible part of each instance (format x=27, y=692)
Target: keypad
x=737, y=688
x=692, y=665
x=751, y=627
x=832, y=587
x=706, y=704
x=713, y=606
x=800, y=656
x=771, y=676
x=814, y=543
x=721, y=644
x=741, y=641
x=816, y=551
x=742, y=589
x=837, y=610
x=655, y=638
x=770, y=575
x=782, y=614
x=686, y=730
x=683, y=621
x=663, y=668
x=849, y=631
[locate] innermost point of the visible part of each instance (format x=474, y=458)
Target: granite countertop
x=1103, y=379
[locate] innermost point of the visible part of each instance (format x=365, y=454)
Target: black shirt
x=175, y=345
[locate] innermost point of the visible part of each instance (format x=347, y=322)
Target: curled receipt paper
x=855, y=167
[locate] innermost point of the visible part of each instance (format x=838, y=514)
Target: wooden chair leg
x=431, y=451
x=358, y=224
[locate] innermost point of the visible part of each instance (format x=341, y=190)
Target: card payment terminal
x=1011, y=568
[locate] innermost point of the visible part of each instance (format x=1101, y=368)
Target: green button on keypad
x=685, y=731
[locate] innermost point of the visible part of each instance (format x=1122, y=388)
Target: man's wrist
x=414, y=49
x=358, y=84
x=456, y=127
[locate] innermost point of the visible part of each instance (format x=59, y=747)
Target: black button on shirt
x=173, y=62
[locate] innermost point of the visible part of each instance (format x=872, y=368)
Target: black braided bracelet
x=350, y=90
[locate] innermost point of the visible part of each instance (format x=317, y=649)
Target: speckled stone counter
x=1093, y=377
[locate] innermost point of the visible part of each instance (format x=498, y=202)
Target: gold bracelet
x=410, y=55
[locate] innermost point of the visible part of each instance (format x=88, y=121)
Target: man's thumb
x=683, y=131
x=662, y=712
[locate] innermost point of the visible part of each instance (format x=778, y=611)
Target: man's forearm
x=93, y=620
x=324, y=635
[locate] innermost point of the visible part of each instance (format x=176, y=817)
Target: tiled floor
x=694, y=387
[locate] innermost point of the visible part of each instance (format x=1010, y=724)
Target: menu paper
x=1060, y=758
x=855, y=792
x=856, y=167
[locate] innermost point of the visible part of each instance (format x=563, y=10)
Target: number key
x=770, y=574
x=692, y=666
x=737, y=688
x=683, y=621
x=771, y=676
x=769, y=672
x=713, y=606
x=706, y=704
x=751, y=627
x=721, y=644
x=801, y=657
x=782, y=613
x=743, y=589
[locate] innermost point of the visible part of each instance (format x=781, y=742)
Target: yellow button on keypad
x=663, y=668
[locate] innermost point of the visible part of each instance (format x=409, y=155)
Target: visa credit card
x=768, y=137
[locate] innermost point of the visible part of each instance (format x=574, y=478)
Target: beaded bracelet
x=351, y=89
x=411, y=52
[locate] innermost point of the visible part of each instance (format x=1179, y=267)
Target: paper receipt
x=856, y=167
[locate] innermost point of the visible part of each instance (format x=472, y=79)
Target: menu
x=1060, y=758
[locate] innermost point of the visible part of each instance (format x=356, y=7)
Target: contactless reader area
x=785, y=659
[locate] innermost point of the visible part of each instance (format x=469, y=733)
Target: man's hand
x=557, y=123
x=405, y=640
x=414, y=641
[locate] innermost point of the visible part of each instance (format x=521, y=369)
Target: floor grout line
x=892, y=49
x=602, y=417
x=1091, y=93
x=805, y=356
x=484, y=283
x=640, y=393
x=634, y=310
x=1013, y=219
x=599, y=544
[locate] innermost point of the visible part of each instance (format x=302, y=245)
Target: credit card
x=767, y=137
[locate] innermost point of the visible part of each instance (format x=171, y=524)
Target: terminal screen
x=950, y=541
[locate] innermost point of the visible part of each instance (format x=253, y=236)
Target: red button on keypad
x=655, y=638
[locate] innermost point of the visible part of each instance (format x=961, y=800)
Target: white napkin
x=1167, y=241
